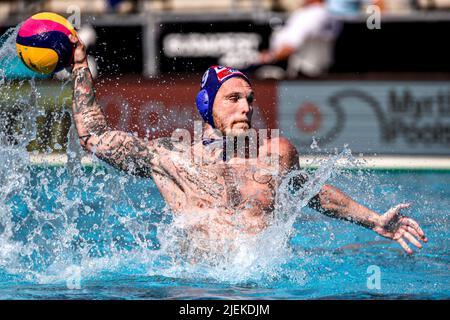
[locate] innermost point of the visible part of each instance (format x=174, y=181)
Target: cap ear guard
x=202, y=101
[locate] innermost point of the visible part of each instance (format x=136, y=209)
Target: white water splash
x=49, y=239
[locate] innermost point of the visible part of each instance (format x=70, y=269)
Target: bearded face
x=233, y=107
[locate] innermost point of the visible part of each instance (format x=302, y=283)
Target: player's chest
x=240, y=183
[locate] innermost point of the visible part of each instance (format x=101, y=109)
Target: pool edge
x=362, y=162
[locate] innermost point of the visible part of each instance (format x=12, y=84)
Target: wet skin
x=217, y=199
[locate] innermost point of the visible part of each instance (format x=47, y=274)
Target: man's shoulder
x=280, y=145
x=284, y=149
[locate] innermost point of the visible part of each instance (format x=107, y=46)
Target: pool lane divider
x=364, y=162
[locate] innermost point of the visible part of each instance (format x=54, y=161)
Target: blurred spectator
x=430, y=4
x=123, y=6
x=114, y=3
x=306, y=42
x=355, y=7
x=346, y=7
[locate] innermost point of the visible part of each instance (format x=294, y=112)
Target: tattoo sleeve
x=297, y=182
x=336, y=204
x=120, y=149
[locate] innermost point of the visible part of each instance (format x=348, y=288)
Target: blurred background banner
x=373, y=74
x=156, y=108
x=195, y=46
x=370, y=117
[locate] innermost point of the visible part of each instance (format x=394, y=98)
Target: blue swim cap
x=212, y=80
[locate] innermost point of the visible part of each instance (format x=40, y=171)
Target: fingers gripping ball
x=43, y=42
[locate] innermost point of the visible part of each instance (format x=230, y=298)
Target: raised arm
x=120, y=149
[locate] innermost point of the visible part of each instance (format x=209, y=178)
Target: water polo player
x=219, y=199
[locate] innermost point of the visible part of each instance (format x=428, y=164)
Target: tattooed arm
x=393, y=224
x=334, y=203
x=120, y=149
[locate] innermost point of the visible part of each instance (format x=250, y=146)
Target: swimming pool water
x=100, y=227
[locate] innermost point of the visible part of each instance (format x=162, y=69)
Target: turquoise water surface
x=74, y=232
x=93, y=233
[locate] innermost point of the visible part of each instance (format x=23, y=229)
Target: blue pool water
x=73, y=232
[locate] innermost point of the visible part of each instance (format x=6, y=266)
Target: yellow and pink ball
x=43, y=42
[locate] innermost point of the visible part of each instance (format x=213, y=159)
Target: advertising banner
x=409, y=118
x=156, y=108
x=369, y=117
x=194, y=46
